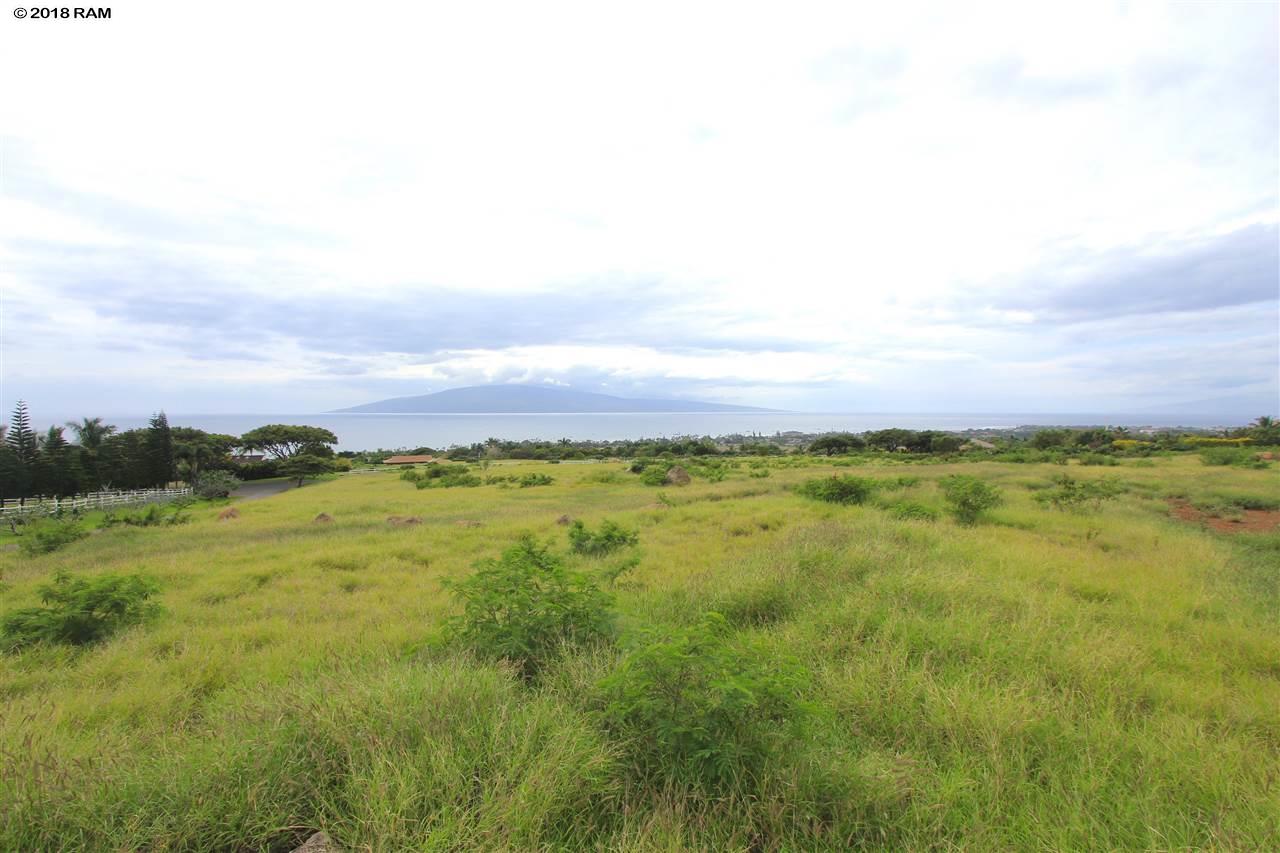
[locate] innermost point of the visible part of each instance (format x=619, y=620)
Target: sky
x=921, y=207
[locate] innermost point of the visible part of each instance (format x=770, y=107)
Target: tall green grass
x=1041, y=679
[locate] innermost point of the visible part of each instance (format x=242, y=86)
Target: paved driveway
x=256, y=489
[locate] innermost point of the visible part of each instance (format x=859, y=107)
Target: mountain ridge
x=533, y=400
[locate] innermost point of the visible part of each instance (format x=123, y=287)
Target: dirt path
x=258, y=489
x=1248, y=521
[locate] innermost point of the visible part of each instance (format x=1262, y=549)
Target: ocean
x=371, y=432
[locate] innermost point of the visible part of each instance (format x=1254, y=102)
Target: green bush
x=690, y=705
x=154, y=515
x=1239, y=456
x=968, y=497
x=838, y=490
x=48, y=535
x=528, y=480
x=454, y=476
x=912, y=510
x=609, y=538
x=79, y=611
x=1098, y=459
x=1072, y=495
x=654, y=476
x=216, y=484
x=526, y=606
x=442, y=476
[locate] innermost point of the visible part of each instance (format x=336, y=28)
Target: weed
x=838, y=490
x=968, y=497
x=912, y=511
x=526, y=606
x=609, y=538
x=689, y=704
x=48, y=535
x=1071, y=495
x=79, y=611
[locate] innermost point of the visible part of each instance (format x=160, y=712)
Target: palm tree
x=90, y=432
x=1264, y=422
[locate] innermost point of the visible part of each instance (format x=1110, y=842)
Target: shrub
x=79, y=611
x=48, y=535
x=526, y=606
x=1068, y=494
x=609, y=538
x=1097, y=459
x=839, y=490
x=440, y=476
x=968, y=497
x=535, y=480
x=1231, y=456
x=912, y=510
x=654, y=476
x=691, y=705
x=216, y=484
x=154, y=515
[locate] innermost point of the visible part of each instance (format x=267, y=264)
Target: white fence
x=95, y=500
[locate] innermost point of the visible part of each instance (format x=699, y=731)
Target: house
x=248, y=459
x=408, y=460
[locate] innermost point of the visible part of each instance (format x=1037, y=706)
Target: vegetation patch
x=847, y=490
x=968, y=497
x=78, y=611
x=594, y=543
x=1071, y=495
x=912, y=511
x=526, y=607
x=48, y=535
x=437, y=476
x=689, y=704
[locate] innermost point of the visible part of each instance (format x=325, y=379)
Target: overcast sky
x=276, y=207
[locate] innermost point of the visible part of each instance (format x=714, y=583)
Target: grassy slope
x=1043, y=680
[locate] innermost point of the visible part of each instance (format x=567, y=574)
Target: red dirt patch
x=1249, y=520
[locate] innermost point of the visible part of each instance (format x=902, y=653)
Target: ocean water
x=370, y=432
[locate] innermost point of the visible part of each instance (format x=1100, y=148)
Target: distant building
x=408, y=460
x=248, y=459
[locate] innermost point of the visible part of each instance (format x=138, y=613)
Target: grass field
x=1042, y=680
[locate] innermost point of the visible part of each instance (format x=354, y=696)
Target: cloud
x=834, y=208
x=1204, y=273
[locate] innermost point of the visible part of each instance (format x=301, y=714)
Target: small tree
x=968, y=497
x=526, y=606
x=838, y=490
x=305, y=465
x=692, y=704
x=216, y=484
x=78, y=611
x=609, y=538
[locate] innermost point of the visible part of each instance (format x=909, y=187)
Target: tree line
x=99, y=456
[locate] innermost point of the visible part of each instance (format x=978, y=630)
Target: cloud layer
x=829, y=209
